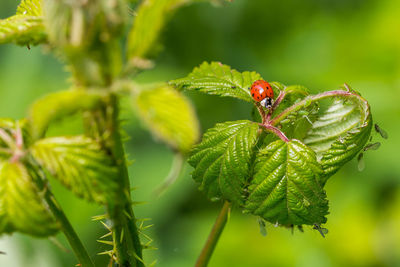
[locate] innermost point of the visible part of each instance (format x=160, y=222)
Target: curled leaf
x=340, y=132
x=56, y=106
x=22, y=30
x=17, y=192
x=169, y=116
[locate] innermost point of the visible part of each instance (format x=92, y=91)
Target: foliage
x=169, y=116
x=79, y=164
x=279, y=180
x=275, y=168
x=17, y=189
x=286, y=185
x=222, y=159
x=26, y=27
x=92, y=165
x=218, y=79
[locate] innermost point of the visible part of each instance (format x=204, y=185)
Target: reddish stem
x=308, y=100
x=275, y=131
x=261, y=111
x=278, y=100
x=269, y=124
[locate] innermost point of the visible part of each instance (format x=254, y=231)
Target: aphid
x=262, y=92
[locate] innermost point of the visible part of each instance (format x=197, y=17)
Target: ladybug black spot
x=252, y=94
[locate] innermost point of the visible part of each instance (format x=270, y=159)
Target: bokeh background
x=316, y=43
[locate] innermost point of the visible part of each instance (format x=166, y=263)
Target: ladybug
x=262, y=92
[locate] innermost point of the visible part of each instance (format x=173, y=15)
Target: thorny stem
x=208, y=249
x=125, y=233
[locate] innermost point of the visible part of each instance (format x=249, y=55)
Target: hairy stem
x=208, y=249
x=125, y=232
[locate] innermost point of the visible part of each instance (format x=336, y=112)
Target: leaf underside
x=79, y=163
x=217, y=79
x=222, y=159
x=30, y=8
x=169, y=116
x=340, y=133
x=22, y=30
x=21, y=207
x=56, y=106
x=286, y=187
x=26, y=27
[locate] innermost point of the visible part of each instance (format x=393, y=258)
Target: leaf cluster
x=277, y=168
x=88, y=36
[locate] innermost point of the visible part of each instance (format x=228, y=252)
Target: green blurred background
x=316, y=43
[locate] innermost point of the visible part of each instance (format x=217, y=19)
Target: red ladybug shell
x=260, y=90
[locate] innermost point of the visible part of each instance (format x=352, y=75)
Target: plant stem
x=66, y=227
x=208, y=249
x=275, y=131
x=125, y=232
x=68, y=231
x=308, y=100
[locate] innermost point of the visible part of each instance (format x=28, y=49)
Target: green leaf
x=222, y=159
x=30, y=8
x=169, y=116
x=340, y=132
x=56, y=106
x=22, y=30
x=21, y=207
x=286, y=186
x=217, y=79
x=80, y=164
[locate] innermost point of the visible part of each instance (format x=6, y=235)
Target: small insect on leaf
x=361, y=163
x=373, y=146
x=261, y=223
x=322, y=231
x=382, y=132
